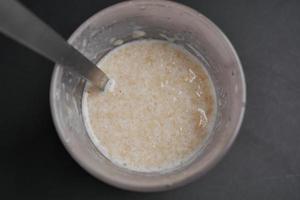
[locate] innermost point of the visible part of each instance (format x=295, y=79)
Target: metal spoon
x=20, y=24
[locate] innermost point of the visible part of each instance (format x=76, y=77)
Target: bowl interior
x=163, y=20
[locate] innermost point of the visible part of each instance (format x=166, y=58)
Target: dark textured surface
x=264, y=162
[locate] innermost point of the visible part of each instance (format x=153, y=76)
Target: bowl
x=155, y=19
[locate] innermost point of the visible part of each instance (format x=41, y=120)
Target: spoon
x=22, y=25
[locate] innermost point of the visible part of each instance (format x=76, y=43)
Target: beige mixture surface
x=157, y=112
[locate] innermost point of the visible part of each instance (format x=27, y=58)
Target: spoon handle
x=22, y=25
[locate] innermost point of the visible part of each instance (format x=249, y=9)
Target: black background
x=264, y=162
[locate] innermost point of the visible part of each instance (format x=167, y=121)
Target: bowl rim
x=120, y=183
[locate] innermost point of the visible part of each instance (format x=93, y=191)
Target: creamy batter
x=158, y=110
